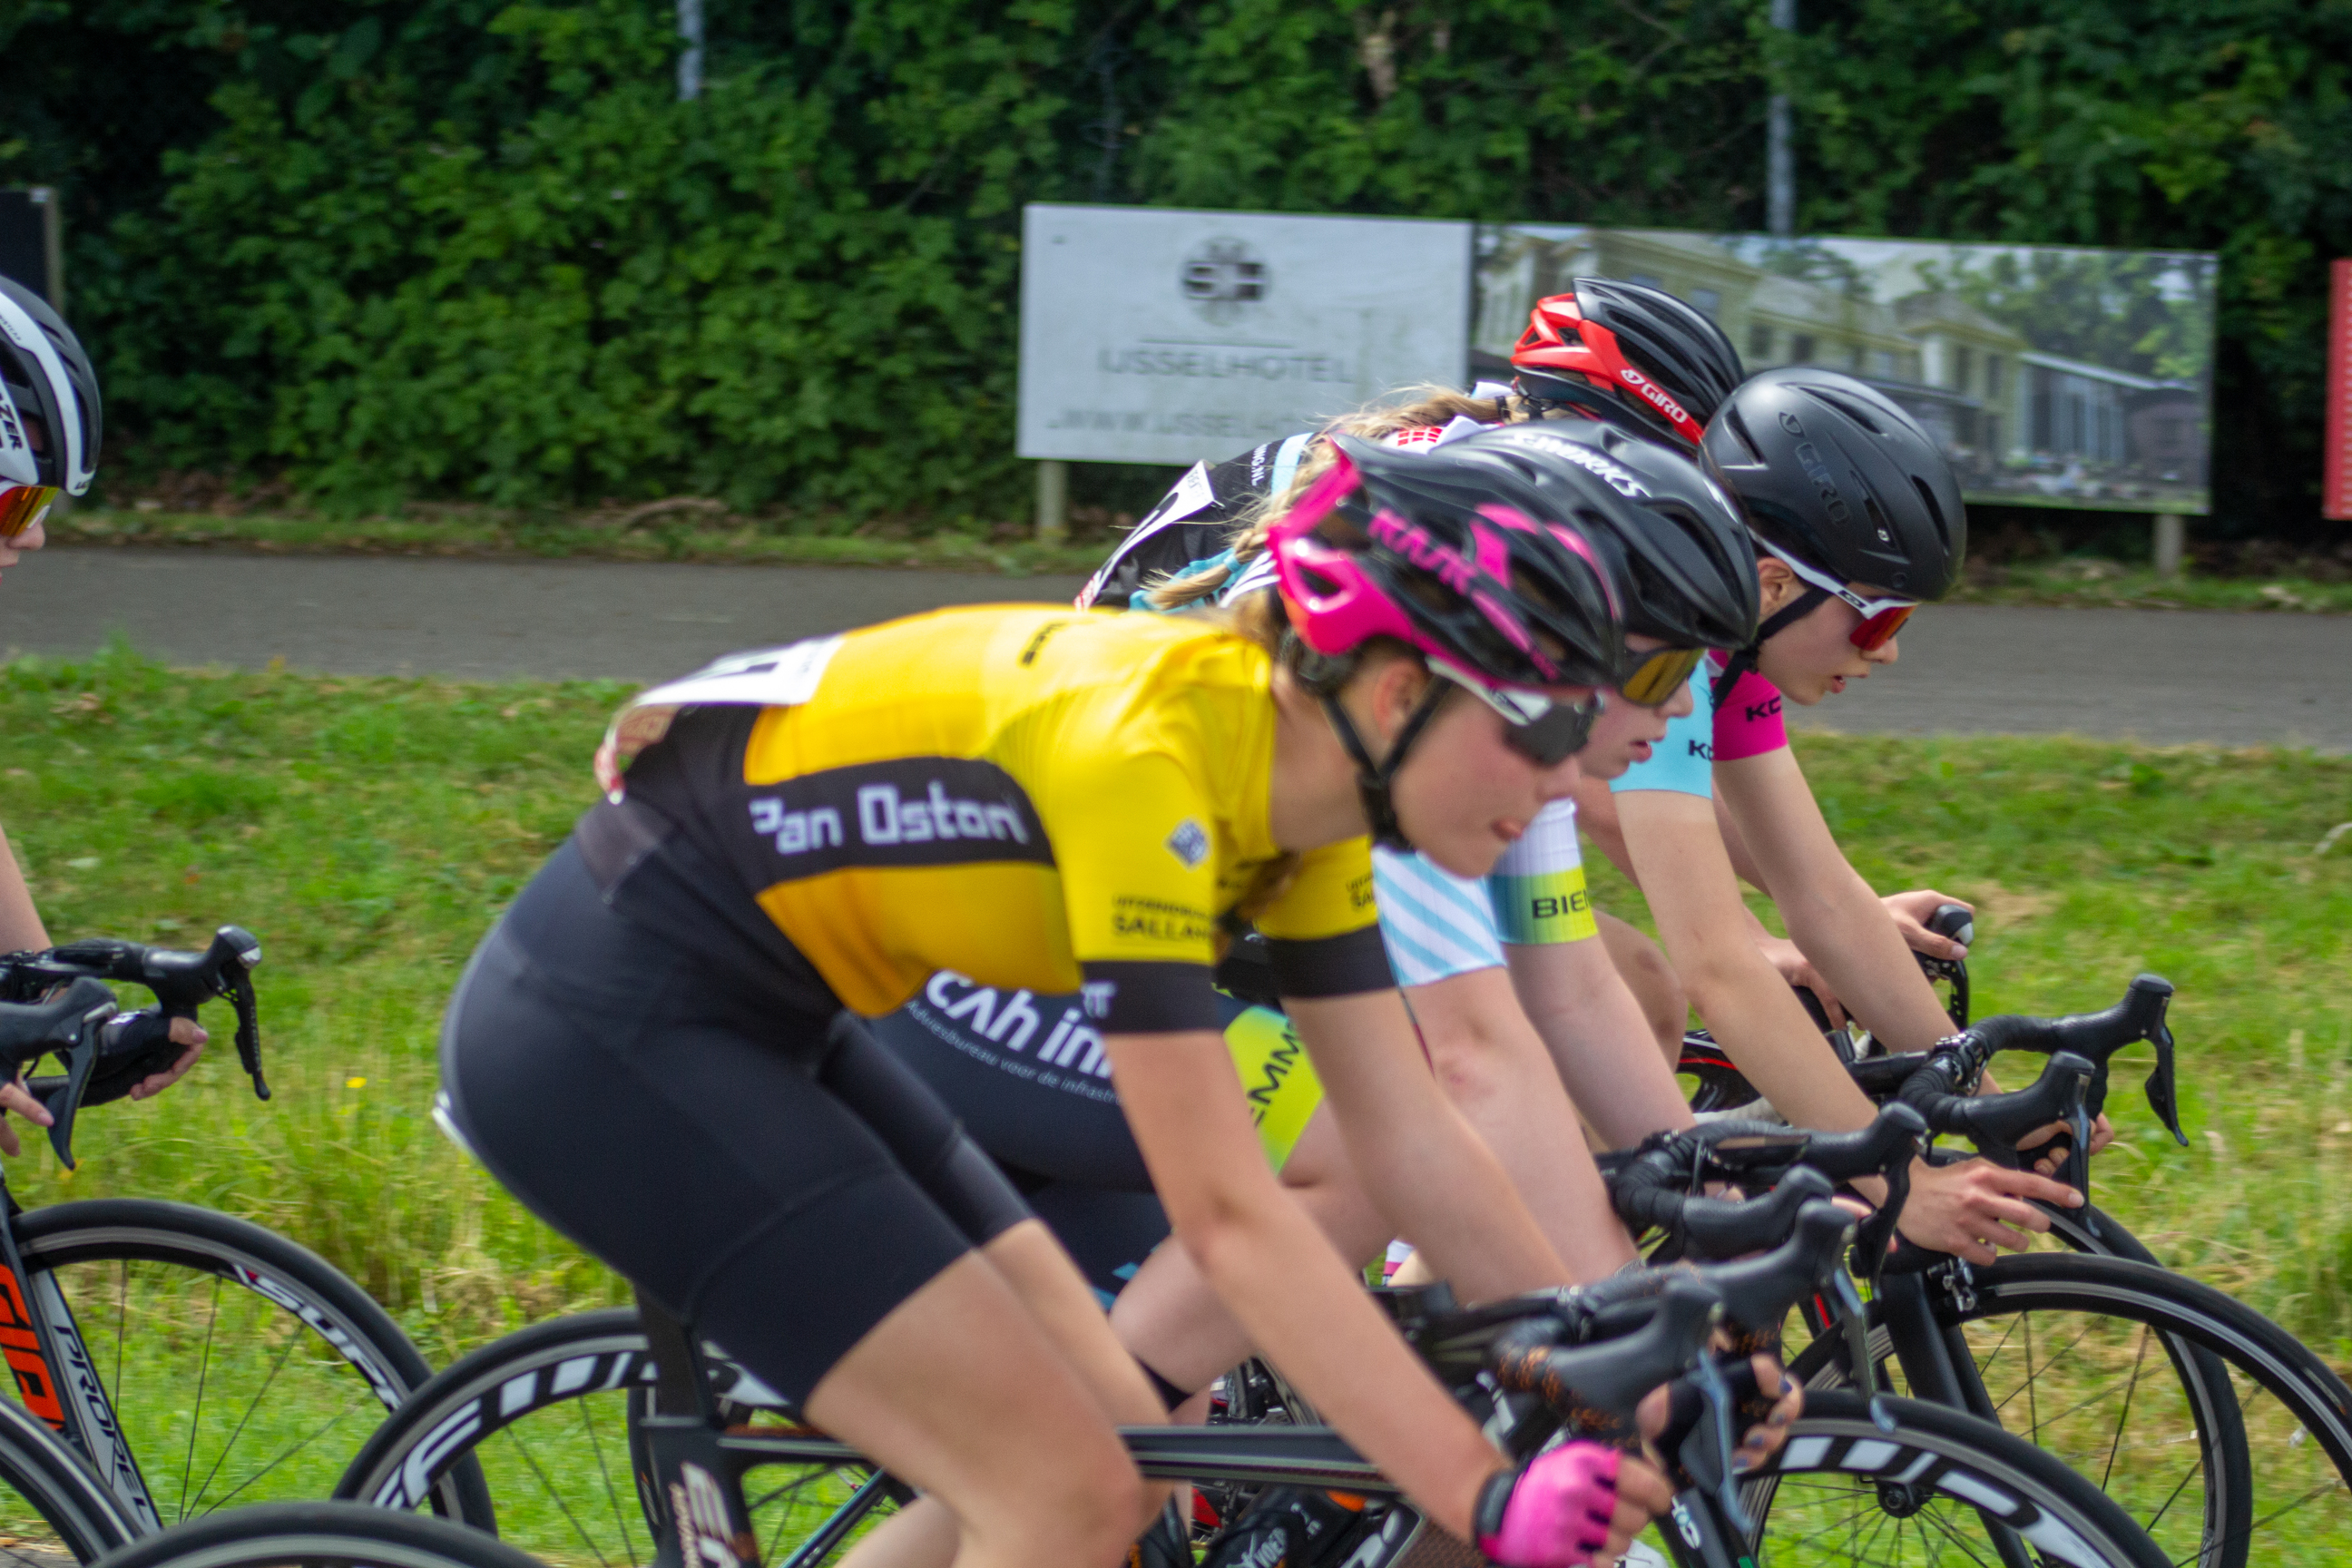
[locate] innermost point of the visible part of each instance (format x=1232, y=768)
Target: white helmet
x=48, y=396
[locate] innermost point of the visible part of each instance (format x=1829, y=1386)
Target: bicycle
x=642, y=1435
x=2242, y=1452
x=188, y=1357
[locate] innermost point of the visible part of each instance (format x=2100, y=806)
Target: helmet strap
x=1373, y=779
x=1779, y=621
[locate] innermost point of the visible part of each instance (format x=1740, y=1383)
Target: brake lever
x=248, y=1030
x=81, y=1058
x=1708, y=1465
x=2076, y=1171
x=2163, y=1096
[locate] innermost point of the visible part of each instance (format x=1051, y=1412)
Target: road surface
x=2165, y=677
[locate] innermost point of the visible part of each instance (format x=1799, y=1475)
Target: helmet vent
x=1927, y=500
x=1860, y=414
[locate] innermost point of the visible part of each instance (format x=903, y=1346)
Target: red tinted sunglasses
x=1881, y=618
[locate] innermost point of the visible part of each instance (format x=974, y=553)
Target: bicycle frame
x=690, y=1467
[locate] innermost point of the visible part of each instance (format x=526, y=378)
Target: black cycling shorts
x=762, y=1170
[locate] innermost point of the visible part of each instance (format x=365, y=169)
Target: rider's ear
x=1398, y=684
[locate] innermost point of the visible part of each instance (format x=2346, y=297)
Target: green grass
x=369, y=830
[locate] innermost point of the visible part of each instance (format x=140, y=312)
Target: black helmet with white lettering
x=1834, y=472
x=1683, y=565
x=50, y=419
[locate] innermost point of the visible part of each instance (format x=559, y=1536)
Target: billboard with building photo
x=2053, y=376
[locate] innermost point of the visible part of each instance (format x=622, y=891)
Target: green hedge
x=455, y=248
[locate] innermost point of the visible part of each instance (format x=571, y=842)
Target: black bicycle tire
x=325, y=1300
x=35, y=1463
x=266, y=1534
x=1833, y=1434
x=2216, y=1327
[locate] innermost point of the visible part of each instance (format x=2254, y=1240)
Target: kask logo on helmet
x=1455, y=569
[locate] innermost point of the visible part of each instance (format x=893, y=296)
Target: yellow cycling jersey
x=1034, y=797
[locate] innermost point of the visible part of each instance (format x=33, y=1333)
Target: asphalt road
x=2160, y=676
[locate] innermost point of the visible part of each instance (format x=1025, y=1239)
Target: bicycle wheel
x=55, y=1510
x=1927, y=1486
x=548, y=1412
x=317, y=1535
x=2228, y=1440
x=212, y=1361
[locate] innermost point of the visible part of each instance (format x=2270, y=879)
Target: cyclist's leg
x=683, y=1136
x=1652, y=980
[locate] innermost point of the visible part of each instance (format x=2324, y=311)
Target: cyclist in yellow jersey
x=655, y=1048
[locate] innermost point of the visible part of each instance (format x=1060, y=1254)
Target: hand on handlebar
x=184, y=1032
x=2103, y=1133
x=1580, y=1503
x=1912, y=910
x=15, y=1096
x=1969, y=1208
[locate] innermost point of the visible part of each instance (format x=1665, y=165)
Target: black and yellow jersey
x=1031, y=797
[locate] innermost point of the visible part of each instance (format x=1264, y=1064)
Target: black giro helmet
x=1520, y=606
x=1683, y=567
x=1617, y=349
x=1832, y=471
x=44, y=376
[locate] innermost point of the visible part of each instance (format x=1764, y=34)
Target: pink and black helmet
x=1466, y=553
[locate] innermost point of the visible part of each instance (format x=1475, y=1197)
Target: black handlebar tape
x=1996, y=1121
x=1728, y=1227
x=1891, y=1140
x=1613, y=1375
x=1880, y=1076
x=1757, y=1293
x=2096, y=1036
x=29, y=1030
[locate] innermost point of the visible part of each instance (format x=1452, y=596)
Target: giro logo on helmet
x=1809, y=457
x=1653, y=393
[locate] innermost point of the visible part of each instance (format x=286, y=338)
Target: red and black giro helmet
x=1628, y=353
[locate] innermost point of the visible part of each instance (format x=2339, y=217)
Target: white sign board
x=1159, y=335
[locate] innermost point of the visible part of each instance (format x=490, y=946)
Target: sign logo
x=1223, y=278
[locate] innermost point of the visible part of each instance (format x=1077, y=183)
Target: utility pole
x=690, y=59
x=1780, y=151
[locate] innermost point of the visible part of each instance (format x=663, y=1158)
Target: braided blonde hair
x=1432, y=405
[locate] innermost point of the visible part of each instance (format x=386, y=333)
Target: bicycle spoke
x=604, y=1471
x=243, y=1421
x=195, y=1416
x=2138, y=1359
x=1929, y=1516
x=516, y=1442
x=2170, y=1498
x=332, y=1422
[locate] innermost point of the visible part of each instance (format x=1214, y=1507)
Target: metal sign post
x=2336, y=487
x=32, y=242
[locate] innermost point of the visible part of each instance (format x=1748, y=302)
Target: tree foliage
x=469, y=247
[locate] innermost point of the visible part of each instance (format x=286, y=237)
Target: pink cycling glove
x=1554, y=1513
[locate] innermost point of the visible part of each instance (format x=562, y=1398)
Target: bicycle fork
x=56, y=1379
x=1942, y=1369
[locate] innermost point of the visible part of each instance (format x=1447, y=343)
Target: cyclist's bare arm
x=1419, y=1160
x=20, y=923
x=1694, y=896
x=1830, y=912
x=1598, y=1038
x=1299, y=1300
x=1498, y=1071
